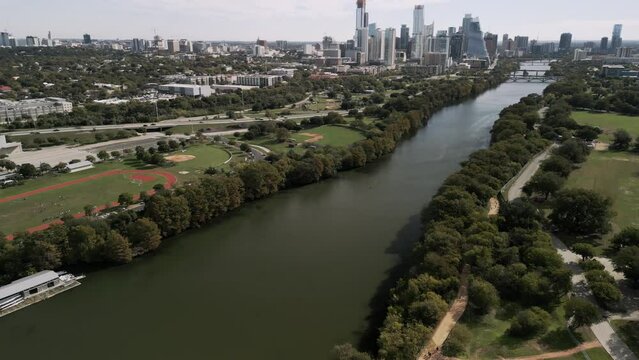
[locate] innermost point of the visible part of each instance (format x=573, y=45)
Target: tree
x=582, y=212
x=348, y=352
x=116, y=249
x=482, y=296
x=7, y=164
x=520, y=213
x=573, y=150
x=282, y=134
x=28, y=171
x=545, y=183
x=88, y=210
x=125, y=199
x=627, y=237
x=457, y=342
x=103, y=155
x=260, y=180
x=530, y=323
x=606, y=293
x=430, y=309
x=586, y=251
x=245, y=147
x=588, y=133
x=621, y=140
x=558, y=165
x=582, y=312
x=116, y=154
x=82, y=242
x=144, y=233
x=627, y=261
x=170, y=212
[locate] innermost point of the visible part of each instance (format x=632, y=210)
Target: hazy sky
x=307, y=20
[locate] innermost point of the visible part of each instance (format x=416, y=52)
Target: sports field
x=322, y=135
x=616, y=175
x=49, y=197
x=609, y=123
x=22, y=211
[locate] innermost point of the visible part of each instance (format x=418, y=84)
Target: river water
x=283, y=278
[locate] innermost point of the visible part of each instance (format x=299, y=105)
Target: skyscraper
x=441, y=43
x=616, y=37
x=418, y=32
x=491, y=45
x=87, y=39
x=138, y=45
x=474, y=38
x=456, y=46
x=565, y=41
x=404, y=38
x=389, y=49
x=4, y=39
x=604, y=44
x=521, y=43
x=361, y=31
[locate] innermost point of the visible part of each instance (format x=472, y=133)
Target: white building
x=283, y=72
x=12, y=110
x=186, y=90
x=7, y=148
x=580, y=55
x=26, y=287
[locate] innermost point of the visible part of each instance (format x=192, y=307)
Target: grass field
x=21, y=214
x=491, y=341
x=593, y=354
x=629, y=333
x=609, y=123
x=331, y=135
x=616, y=175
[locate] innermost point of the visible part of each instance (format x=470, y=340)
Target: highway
x=199, y=120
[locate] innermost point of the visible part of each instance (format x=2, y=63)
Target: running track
x=171, y=180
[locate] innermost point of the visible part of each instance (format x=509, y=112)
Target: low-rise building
x=7, y=148
x=186, y=90
x=32, y=108
x=258, y=80
x=618, y=71
x=79, y=166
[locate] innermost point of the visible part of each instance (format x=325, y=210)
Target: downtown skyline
x=305, y=22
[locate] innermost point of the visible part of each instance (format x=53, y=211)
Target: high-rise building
x=475, y=46
x=616, y=37
x=361, y=32
x=504, y=43
x=173, y=46
x=32, y=41
x=376, y=46
x=491, y=45
x=404, y=38
x=49, y=37
x=186, y=46
x=624, y=52
x=451, y=30
x=138, y=45
x=565, y=42
x=604, y=44
x=86, y=39
x=281, y=44
x=4, y=39
x=389, y=46
x=418, y=32
x=457, y=46
x=441, y=43
x=521, y=43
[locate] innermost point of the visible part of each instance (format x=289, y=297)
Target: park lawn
x=21, y=214
x=333, y=135
x=616, y=175
x=629, y=333
x=594, y=354
x=323, y=104
x=205, y=156
x=53, y=179
x=609, y=123
x=491, y=341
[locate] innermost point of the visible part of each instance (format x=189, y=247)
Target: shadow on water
x=407, y=237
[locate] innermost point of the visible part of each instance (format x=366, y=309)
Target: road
x=516, y=190
x=606, y=335
x=199, y=120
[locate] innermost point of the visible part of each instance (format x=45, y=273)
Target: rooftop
x=27, y=283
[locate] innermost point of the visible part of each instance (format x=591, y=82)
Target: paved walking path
x=448, y=322
x=516, y=190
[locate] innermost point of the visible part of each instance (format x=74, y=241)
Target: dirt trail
x=449, y=320
x=560, y=354
x=313, y=137
x=494, y=207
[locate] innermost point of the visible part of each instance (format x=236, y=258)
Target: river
x=283, y=278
